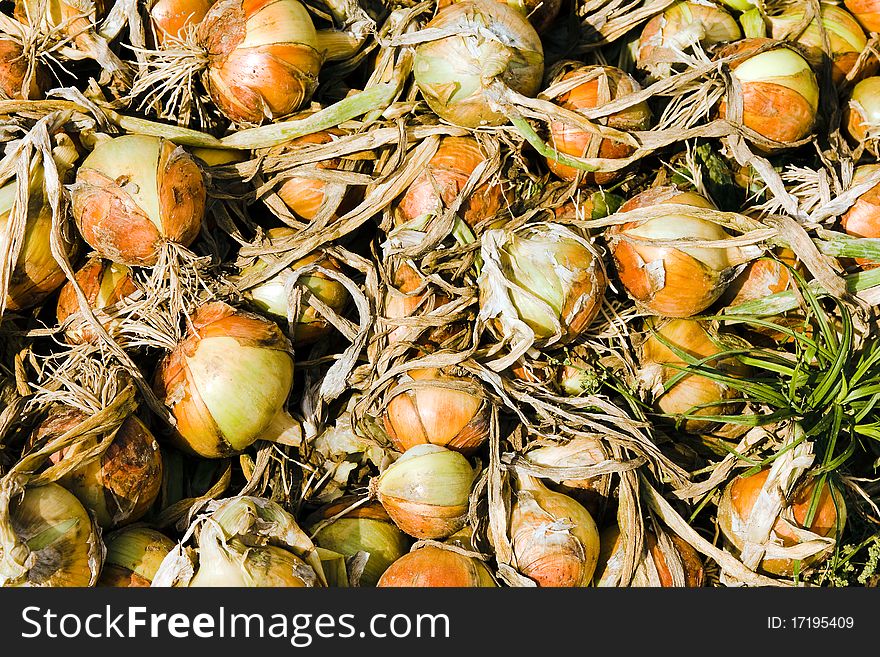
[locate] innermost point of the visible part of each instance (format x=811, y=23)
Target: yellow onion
x=442, y=180
x=435, y=567
x=557, y=461
x=543, y=275
x=861, y=117
x=426, y=491
x=489, y=41
x=763, y=277
x=739, y=5
x=172, y=19
x=263, y=58
x=845, y=37
x=743, y=493
x=693, y=394
x=47, y=539
x=608, y=570
x=430, y=406
x=680, y=26
x=368, y=529
x=605, y=84
x=105, y=284
x=134, y=193
x=554, y=539
x=271, y=296
x=408, y=296
x=780, y=95
x=134, y=554
x=16, y=80
x=72, y=15
x=867, y=12
x=227, y=383
x=541, y=13
x=863, y=218
x=669, y=280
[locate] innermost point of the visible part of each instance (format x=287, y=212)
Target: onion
x=554, y=539
x=135, y=192
x=780, y=94
x=367, y=529
x=861, y=117
x=429, y=406
x=763, y=277
x=227, y=383
x=134, y=554
x=581, y=451
x=426, y=491
x=693, y=394
x=432, y=566
x=608, y=570
x=263, y=58
x=741, y=496
x=105, y=284
x=668, y=280
x=17, y=80
x=489, y=42
x=172, y=19
x=863, y=218
x=541, y=13
x=443, y=179
x=845, y=37
x=604, y=85
x=544, y=275
x=47, y=539
x=867, y=12
x=408, y=296
x=739, y=5
x=71, y=15
x=121, y=484
x=680, y=26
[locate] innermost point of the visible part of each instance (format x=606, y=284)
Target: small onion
x=105, y=284
x=863, y=218
x=867, y=12
x=861, y=117
x=172, y=19
x=739, y=499
x=763, y=277
x=612, y=554
x=426, y=491
x=668, y=280
x=368, y=529
x=845, y=37
x=555, y=279
x=780, y=94
x=408, y=296
x=693, y=394
x=429, y=406
x=16, y=80
x=263, y=58
x=47, y=539
x=227, y=383
x=134, y=554
x=135, y=192
x=489, y=42
x=554, y=539
x=434, y=567
x=442, y=180
x=603, y=85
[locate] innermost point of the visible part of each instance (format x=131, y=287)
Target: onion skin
x=133, y=557
x=611, y=555
x=455, y=419
x=172, y=19
x=863, y=218
x=740, y=497
x=691, y=280
x=263, y=58
x=225, y=344
x=14, y=70
x=105, y=284
x=403, y=299
x=540, y=13
x=867, y=12
x=434, y=567
x=453, y=72
x=580, y=143
x=443, y=179
x=134, y=193
x=861, y=117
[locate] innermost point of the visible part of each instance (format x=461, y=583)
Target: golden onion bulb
x=134, y=554
x=867, y=12
x=863, y=218
x=17, y=81
x=861, y=117
x=173, y=19
x=435, y=567
x=408, y=296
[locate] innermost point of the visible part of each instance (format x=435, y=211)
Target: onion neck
x=284, y=430
x=336, y=45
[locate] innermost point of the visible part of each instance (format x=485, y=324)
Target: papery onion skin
x=227, y=382
x=437, y=414
x=70, y=14
x=867, y=12
x=740, y=496
x=443, y=179
x=611, y=555
x=863, y=218
x=104, y=284
x=133, y=557
x=541, y=13
x=591, y=94
x=14, y=71
x=453, y=72
x=861, y=116
x=403, y=299
x=266, y=566
x=173, y=19
x=780, y=91
x=426, y=491
x=434, y=567
x=263, y=58
x=133, y=194
x=664, y=280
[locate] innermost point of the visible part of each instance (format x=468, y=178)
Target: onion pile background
x=569, y=293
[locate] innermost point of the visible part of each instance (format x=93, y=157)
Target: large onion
x=227, y=383
x=489, y=41
x=134, y=554
x=432, y=566
x=861, y=117
x=863, y=218
x=105, y=284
